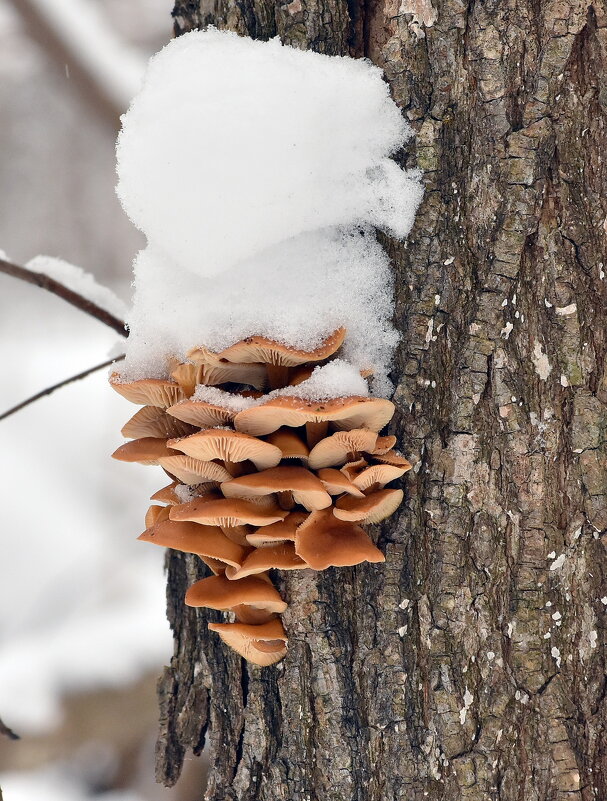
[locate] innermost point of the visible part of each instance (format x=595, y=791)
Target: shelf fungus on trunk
x=260, y=482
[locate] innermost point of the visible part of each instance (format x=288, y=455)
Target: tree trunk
x=471, y=665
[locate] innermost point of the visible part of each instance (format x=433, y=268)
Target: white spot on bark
x=404, y=603
x=547, y=303
x=556, y=616
x=556, y=654
x=451, y=259
x=468, y=699
x=564, y=381
x=506, y=330
x=540, y=361
x=558, y=562
x=424, y=16
x=563, y=311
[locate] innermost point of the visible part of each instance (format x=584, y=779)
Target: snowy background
x=83, y=633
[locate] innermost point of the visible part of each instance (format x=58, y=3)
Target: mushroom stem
x=285, y=500
x=315, y=432
x=278, y=376
x=235, y=469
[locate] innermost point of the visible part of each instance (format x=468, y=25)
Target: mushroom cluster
x=260, y=481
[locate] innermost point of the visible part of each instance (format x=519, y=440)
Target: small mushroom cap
x=156, y=514
x=148, y=391
x=336, y=483
x=324, y=541
x=282, y=557
x=290, y=444
x=277, y=532
x=201, y=413
x=394, y=458
x=207, y=541
x=147, y=450
x=370, y=509
x=187, y=375
x=226, y=512
x=193, y=471
x=339, y=447
x=217, y=592
x=231, y=446
x=352, y=469
x=154, y=422
x=263, y=645
x=268, y=351
x=307, y=489
x=380, y=474
x=167, y=494
x=384, y=444
x=213, y=370
x=344, y=413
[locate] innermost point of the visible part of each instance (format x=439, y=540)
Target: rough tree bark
x=472, y=664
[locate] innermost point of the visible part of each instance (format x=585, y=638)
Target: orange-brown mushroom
x=205, y=541
x=217, y=592
x=262, y=644
x=156, y=514
x=290, y=444
x=371, y=509
x=194, y=471
x=148, y=391
x=214, y=370
x=336, y=482
x=394, y=458
x=147, y=450
x=167, y=494
x=341, y=447
x=281, y=556
x=201, y=413
x=324, y=541
x=384, y=444
x=277, y=532
x=151, y=421
x=226, y=512
x=230, y=446
x=305, y=487
x=377, y=475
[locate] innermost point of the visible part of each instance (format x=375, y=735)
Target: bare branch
x=4, y=729
x=77, y=300
x=63, y=383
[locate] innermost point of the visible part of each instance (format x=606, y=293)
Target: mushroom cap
x=281, y=556
x=345, y=413
x=324, y=541
x=167, y=494
x=380, y=474
x=231, y=446
x=370, y=509
x=262, y=644
x=148, y=391
x=336, y=482
x=193, y=471
x=277, y=532
x=207, y=541
x=154, y=422
x=352, y=469
x=214, y=370
x=201, y=413
x=394, y=458
x=336, y=449
x=156, y=514
x=146, y=450
x=217, y=592
x=226, y=512
x=290, y=444
x=268, y=351
x=307, y=489
x=384, y=444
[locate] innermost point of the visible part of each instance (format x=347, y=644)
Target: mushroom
x=156, y=514
x=302, y=485
x=282, y=557
x=231, y=446
x=193, y=471
x=167, y=494
x=217, y=592
x=370, y=509
x=384, y=444
x=147, y=450
x=345, y=414
x=277, y=532
x=148, y=391
x=394, y=458
x=336, y=483
x=214, y=370
x=324, y=541
x=231, y=515
x=262, y=644
x=205, y=541
x=201, y=413
x=290, y=444
x=341, y=447
x=352, y=469
x=377, y=475
x=150, y=421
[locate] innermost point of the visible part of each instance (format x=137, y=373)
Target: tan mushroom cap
x=394, y=458
x=290, y=444
x=201, y=413
x=380, y=474
x=282, y=557
x=277, y=532
x=268, y=351
x=341, y=446
x=231, y=446
x=217, y=592
x=370, y=509
x=307, y=489
x=148, y=391
x=154, y=422
x=194, y=471
x=352, y=469
x=345, y=413
x=156, y=514
x=207, y=541
x=384, y=444
x=336, y=483
x=167, y=494
x=147, y=450
x=324, y=541
x=226, y=512
x=213, y=370
x=263, y=644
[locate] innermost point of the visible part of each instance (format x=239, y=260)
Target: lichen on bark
x=472, y=664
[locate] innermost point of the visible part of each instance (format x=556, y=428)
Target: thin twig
x=63, y=383
x=80, y=302
x=4, y=729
